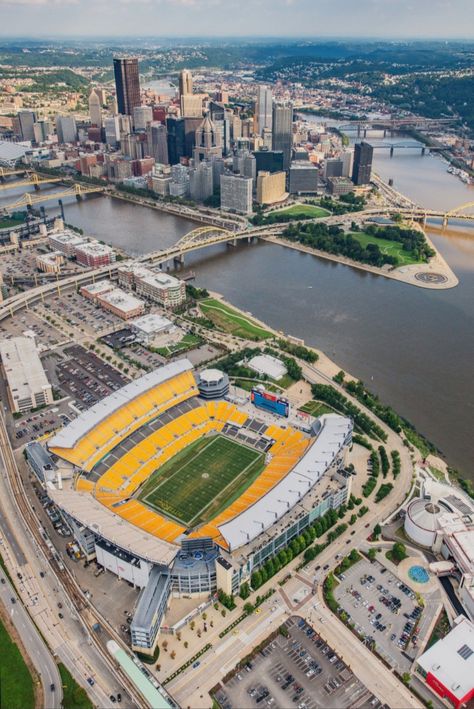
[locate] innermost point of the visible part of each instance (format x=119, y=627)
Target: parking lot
x=82, y=313
x=301, y=671
x=85, y=377
x=383, y=609
x=34, y=425
x=27, y=323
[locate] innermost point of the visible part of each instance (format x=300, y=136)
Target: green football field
x=202, y=480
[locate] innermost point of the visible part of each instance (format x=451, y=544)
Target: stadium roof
x=451, y=660
x=74, y=431
x=10, y=153
x=291, y=489
x=86, y=510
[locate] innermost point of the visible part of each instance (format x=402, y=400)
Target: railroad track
x=85, y=611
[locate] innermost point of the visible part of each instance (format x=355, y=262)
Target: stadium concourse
x=162, y=485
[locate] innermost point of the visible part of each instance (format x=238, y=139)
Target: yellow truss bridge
x=31, y=199
x=32, y=179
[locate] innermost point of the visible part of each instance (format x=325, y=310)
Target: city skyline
x=442, y=19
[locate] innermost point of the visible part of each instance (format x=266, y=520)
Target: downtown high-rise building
x=95, y=109
x=362, y=166
x=185, y=82
x=26, y=121
x=176, y=139
x=263, y=109
x=208, y=141
x=142, y=115
x=66, y=129
x=282, y=131
x=236, y=193
x=157, y=142
x=127, y=84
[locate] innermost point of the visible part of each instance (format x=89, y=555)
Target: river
x=414, y=347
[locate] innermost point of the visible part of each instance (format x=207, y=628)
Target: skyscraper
x=141, y=116
x=95, y=112
x=185, y=82
x=282, y=135
x=157, y=142
x=236, y=193
x=127, y=84
x=66, y=129
x=263, y=108
x=363, y=154
x=191, y=105
x=208, y=141
x=26, y=121
x=176, y=139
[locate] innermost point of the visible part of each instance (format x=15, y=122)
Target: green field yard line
x=185, y=497
x=213, y=466
x=161, y=470
x=185, y=464
x=229, y=484
x=259, y=467
x=16, y=682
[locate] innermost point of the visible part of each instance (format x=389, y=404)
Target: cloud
x=38, y=3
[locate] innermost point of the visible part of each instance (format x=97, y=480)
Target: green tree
x=399, y=551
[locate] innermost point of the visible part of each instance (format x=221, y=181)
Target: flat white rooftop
x=67, y=237
x=161, y=280
x=85, y=422
x=23, y=369
x=260, y=516
x=105, y=523
x=266, y=364
x=122, y=300
x=98, y=287
x=451, y=660
x=95, y=248
x=151, y=323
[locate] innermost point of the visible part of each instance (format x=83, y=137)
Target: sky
x=213, y=18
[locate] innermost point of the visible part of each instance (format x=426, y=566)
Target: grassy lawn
x=229, y=320
x=75, y=697
x=316, y=408
x=390, y=248
x=439, y=475
x=200, y=480
x=187, y=343
x=302, y=210
x=16, y=683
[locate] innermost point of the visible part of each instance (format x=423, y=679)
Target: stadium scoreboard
x=270, y=402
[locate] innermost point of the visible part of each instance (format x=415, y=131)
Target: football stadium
x=180, y=488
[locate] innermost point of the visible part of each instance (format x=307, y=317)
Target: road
x=34, y=645
x=67, y=637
